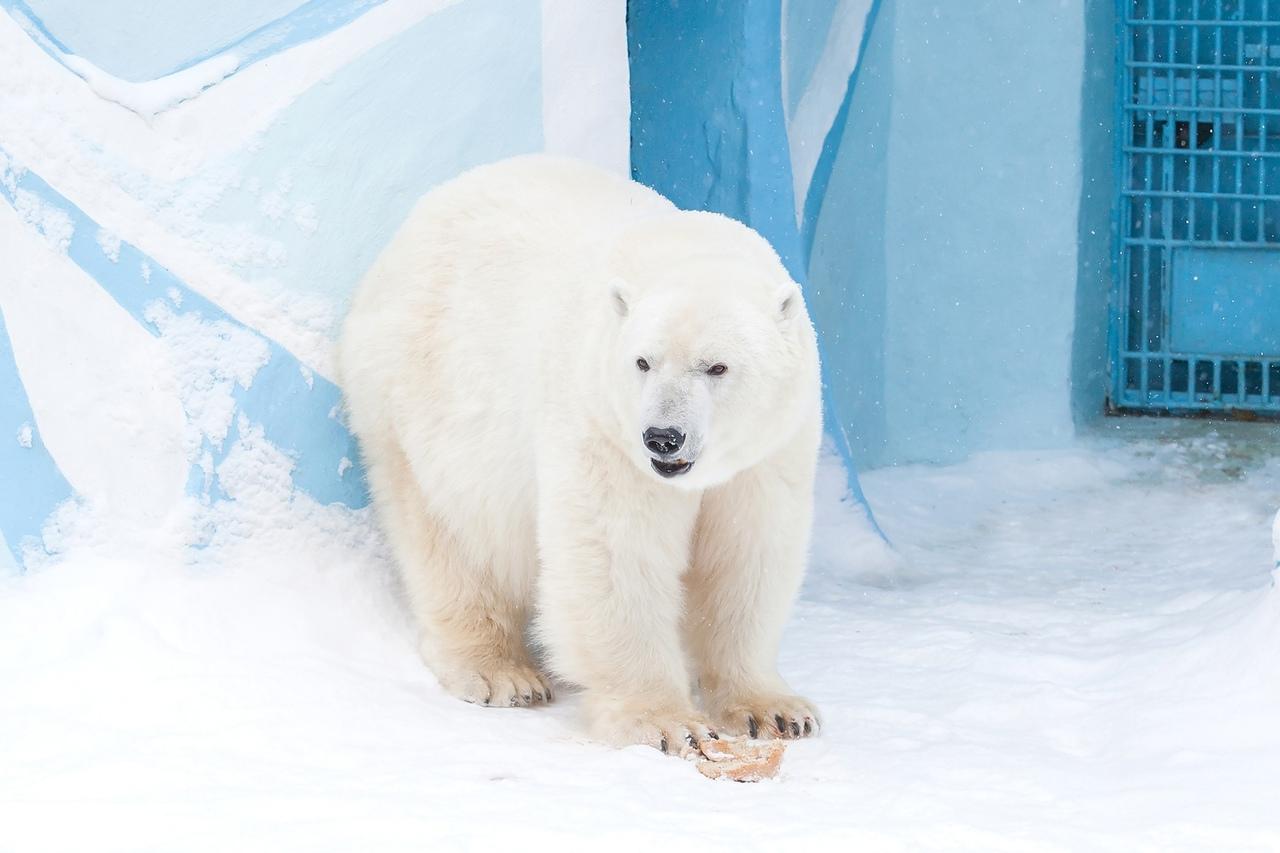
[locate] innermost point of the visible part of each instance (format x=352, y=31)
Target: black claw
x=781, y=724
x=663, y=746
x=795, y=729
x=753, y=728
x=808, y=727
x=691, y=740
x=528, y=699
x=712, y=735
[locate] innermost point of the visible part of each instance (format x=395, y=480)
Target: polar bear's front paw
x=674, y=729
x=769, y=715
x=505, y=684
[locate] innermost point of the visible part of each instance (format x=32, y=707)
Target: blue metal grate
x=1196, y=321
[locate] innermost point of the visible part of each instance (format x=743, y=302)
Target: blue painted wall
x=707, y=127
x=847, y=273
x=977, y=179
x=806, y=25
x=984, y=185
x=956, y=266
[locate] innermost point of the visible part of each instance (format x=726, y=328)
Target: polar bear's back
x=486, y=264
x=444, y=349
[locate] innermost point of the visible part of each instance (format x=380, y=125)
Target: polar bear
x=582, y=408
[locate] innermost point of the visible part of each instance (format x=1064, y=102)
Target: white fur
x=490, y=367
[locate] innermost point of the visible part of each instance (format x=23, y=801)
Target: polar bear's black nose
x=663, y=442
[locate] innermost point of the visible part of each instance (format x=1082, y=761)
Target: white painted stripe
x=814, y=115
x=586, y=99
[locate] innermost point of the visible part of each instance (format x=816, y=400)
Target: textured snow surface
x=1082, y=652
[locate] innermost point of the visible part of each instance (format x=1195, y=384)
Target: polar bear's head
x=714, y=363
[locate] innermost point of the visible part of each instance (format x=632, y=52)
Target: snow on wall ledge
x=182, y=222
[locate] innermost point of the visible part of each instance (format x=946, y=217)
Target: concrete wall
x=965, y=131
x=848, y=279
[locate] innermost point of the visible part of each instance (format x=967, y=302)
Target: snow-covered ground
x=1083, y=652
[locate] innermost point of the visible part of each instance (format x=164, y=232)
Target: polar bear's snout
x=664, y=441
x=664, y=444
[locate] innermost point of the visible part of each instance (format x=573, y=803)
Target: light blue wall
x=972, y=291
x=707, y=123
x=387, y=139
x=847, y=275
x=807, y=24
x=980, y=232
x=107, y=33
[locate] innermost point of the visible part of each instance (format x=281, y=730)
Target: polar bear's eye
x=716, y=370
x=643, y=365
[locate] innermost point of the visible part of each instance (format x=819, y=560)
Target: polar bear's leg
x=750, y=547
x=471, y=623
x=613, y=548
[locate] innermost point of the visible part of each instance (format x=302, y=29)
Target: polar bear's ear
x=621, y=298
x=788, y=300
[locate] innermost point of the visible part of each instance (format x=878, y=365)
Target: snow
x=110, y=244
x=152, y=97
x=48, y=221
x=1080, y=652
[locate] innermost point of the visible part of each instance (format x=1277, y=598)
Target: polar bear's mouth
x=671, y=469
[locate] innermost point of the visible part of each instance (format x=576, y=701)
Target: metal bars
x=1199, y=171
